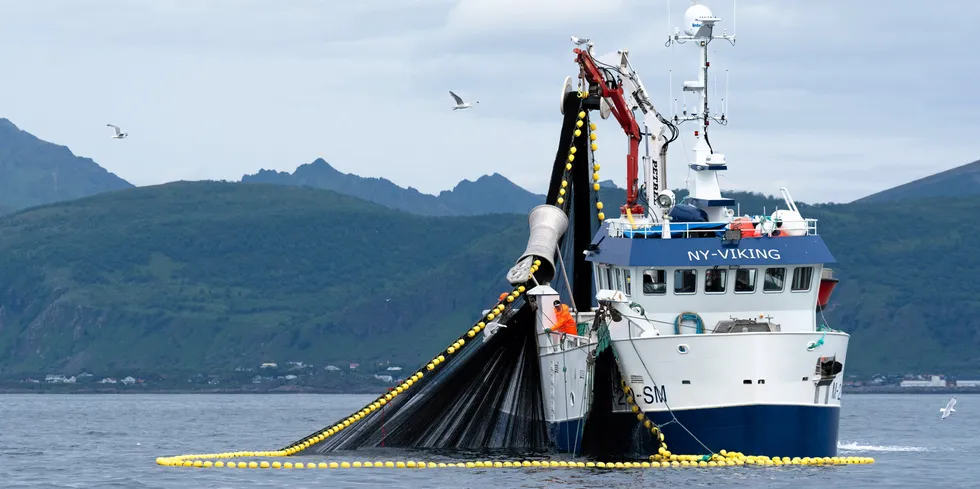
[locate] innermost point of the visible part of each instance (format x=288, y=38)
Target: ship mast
x=699, y=25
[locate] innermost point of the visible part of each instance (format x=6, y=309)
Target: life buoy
x=689, y=316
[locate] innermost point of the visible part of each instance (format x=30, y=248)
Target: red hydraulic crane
x=612, y=89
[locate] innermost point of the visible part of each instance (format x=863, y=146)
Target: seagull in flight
x=948, y=409
x=580, y=41
x=459, y=102
x=116, y=132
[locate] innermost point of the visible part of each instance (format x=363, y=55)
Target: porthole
x=682, y=349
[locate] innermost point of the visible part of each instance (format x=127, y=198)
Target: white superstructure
x=713, y=319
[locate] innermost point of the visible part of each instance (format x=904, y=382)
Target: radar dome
x=693, y=16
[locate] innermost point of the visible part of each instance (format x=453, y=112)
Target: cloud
x=826, y=96
x=506, y=16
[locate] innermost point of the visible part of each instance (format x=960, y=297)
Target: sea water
x=83, y=441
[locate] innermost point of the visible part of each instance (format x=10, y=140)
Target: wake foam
x=859, y=447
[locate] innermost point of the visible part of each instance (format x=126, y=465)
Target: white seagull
x=948, y=409
x=580, y=41
x=459, y=102
x=117, y=133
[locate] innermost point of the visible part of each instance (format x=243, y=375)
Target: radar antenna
x=699, y=27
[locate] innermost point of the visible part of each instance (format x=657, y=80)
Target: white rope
x=564, y=273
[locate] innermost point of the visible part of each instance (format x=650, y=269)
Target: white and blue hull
x=773, y=430
x=711, y=317
x=756, y=393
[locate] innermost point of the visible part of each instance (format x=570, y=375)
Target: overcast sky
x=835, y=99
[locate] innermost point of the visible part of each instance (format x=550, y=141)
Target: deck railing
x=622, y=228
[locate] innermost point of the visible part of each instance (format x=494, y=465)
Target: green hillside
x=961, y=181
x=209, y=276
x=908, y=293
x=192, y=276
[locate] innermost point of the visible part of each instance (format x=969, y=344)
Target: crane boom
x=610, y=88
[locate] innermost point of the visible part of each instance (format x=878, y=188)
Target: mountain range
x=488, y=194
x=35, y=172
x=202, y=276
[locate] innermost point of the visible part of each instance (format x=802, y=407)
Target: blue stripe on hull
x=772, y=430
x=567, y=435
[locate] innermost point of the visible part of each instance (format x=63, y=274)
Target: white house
x=935, y=381
x=59, y=379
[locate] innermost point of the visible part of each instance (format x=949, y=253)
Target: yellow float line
x=388, y=397
x=571, y=158
x=373, y=406
x=678, y=461
x=663, y=459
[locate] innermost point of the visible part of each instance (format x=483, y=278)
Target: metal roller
x=548, y=223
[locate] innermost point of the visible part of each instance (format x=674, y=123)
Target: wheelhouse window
x=609, y=280
x=619, y=279
x=801, y=279
x=626, y=281
x=685, y=281
x=745, y=280
x=715, y=280
x=654, y=282
x=774, y=280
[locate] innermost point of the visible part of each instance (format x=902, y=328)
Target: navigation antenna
x=698, y=27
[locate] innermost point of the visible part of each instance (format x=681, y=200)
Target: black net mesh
x=486, y=398
x=487, y=395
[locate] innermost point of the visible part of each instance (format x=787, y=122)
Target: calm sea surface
x=113, y=440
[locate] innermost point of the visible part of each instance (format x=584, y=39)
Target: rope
x=586, y=398
x=602, y=338
x=655, y=385
x=564, y=274
x=825, y=326
x=762, y=226
x=813, y=346
x=564, y=376
x=693, y=316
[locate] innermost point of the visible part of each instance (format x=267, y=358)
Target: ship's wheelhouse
x=707, y=281
x=723, y=299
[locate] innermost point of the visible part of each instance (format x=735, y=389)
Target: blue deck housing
x=707, y=252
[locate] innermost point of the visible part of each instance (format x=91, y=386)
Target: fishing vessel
x=700, y=330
